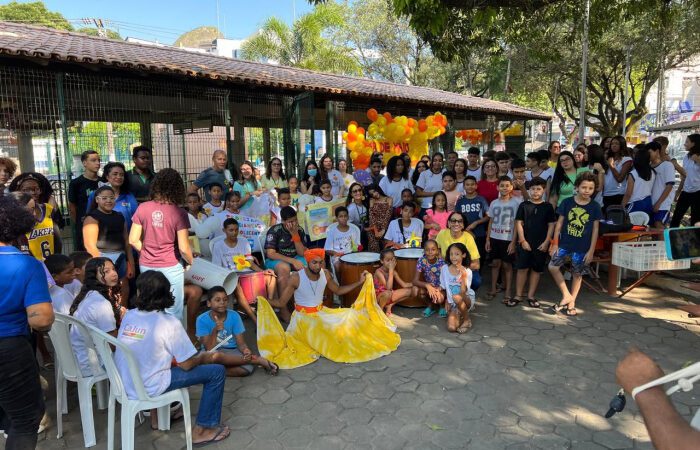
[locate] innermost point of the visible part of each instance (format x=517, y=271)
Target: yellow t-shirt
x=42, y=241
x=552, y=164
x=270, y=184
x=445, y=239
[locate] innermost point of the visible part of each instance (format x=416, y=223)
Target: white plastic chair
x=215, y=241
x=130, y=407
x=68, y=369
x=261, y=241
x=639, y=218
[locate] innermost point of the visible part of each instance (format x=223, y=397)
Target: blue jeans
x=476, y=280
x=212, y=377
x=176, y=277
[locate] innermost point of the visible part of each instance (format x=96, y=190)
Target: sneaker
x=443, y=313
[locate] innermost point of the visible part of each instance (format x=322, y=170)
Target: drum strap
x=401, y=229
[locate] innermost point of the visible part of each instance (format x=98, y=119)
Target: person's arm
x=629, y=190
x=624, y=171
x=550, y=231
x=680, y=169
x=130, y=268
x=40, y=316
x=554, y=247
x=552, y=197
x=520, y=232
x=594, y=241
x=292, y=286
x=667, y=428
x=209, y=340
x=341, y=290
x=135, y=236
x=664, y=194
x=57, y=239
x=242, y=346
x=488, y=235
x=183, y=244
x=402, y=283
x=91, y=230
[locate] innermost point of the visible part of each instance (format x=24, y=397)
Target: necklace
x=314, y=285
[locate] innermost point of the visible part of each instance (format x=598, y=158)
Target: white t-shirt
x=337, y=182
x=692, y=177
x=393, y=232
x=320, y=199
x=612, y=187
x=453, y=285
x=348, y=180
x=357, y=214
x=429, y=181
x=665, y=175
x=154, y=338
x=545, y=175
x=502, y=214
x=73, y=287
x=222, y=255
x=94, y=310
x=642, y=188
x=342, y=241
x=210, y=209
x=394, y=188
x=61, y=299
x=476, y=173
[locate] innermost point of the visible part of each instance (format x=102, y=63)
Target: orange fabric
x=308, y=309
x=314, y=253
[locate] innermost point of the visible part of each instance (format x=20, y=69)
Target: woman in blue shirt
x=247, y=185
x=114, y=174
x=24, y=302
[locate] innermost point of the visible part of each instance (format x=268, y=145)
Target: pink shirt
x=160, y=222
x=439, y=218
x=452, y=197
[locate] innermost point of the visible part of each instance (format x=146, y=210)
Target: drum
x=253, y=285
x=406, y=261
x=351, y=266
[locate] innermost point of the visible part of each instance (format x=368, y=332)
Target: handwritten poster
x=319, y=216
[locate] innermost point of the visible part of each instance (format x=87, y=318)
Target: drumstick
x=217, y=346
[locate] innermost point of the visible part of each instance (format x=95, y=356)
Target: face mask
x=313, y=172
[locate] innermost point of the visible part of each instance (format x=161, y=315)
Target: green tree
x=34, y=13
x=111, y=34
x=305, y=44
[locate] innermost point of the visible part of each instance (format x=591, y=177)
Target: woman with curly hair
x=24, y=302
x=7, y=171
x=160, y=233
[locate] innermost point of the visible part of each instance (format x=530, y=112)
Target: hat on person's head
x=314, y=253
x=288, y=212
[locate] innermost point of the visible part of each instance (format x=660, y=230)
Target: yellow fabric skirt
x=348, y=335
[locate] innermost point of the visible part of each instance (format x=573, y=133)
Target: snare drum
x=253, y=285
x=351, y=267
x=406, y=262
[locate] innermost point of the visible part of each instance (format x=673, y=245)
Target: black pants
x=21, y=400
x=687, y=200
x=612, y=200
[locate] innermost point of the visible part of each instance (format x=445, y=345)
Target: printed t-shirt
x=445, y=239
x=210, y=209
x=279, y=239
x=41, y=241
x=536, y=218
x=577, y=229
x=22, y=284
x=336, y=180
x=342, y=241
x=453, y=283
x=545, y=174
x=474, y=209
x=233, y=325
x=94, y=310
x=431, y=272
x=222, y=255
x=429, y=181
x=415, y=230
x=154, y=338
x=393, y=189
x=502, y=214
x=160, y=222
x=209, y=176
x=665, y=175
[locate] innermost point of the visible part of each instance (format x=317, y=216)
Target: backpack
x=617, y=220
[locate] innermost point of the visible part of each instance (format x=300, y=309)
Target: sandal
x=533, y=303
x=464, y=327
x=491, y=295
x=571, y=312
x=221, y=433
x=443, y=313
x=510, y=302
x=428, y=311
x=554, y=309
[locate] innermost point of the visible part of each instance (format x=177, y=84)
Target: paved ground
x=520, y=379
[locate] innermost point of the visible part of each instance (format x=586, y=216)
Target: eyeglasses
x=31, y=191
x=276, y=164
x=105, y=199
x=456, y=221
x=355, y=191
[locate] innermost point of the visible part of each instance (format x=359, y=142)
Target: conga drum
x=253, y=285
x=406, y=262
x=351, y=267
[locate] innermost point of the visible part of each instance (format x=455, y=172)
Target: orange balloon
x=352, y=122
x=411, y=122
x=372, y=114
x=360, y=130
x=387, y=116
x=352, y=137
x=422, y=125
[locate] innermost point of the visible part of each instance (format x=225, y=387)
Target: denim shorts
x=578, y=266
x=271, y=263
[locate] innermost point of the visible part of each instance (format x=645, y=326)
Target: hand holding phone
x=682, y=243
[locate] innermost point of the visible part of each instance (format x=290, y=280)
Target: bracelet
x=296, y=238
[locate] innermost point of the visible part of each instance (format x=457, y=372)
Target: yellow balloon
x=352, y=128
x=354, y=155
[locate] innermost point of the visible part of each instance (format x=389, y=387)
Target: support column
x=267, y=146
x=146, y=135
x=331, y=144
x=25, y=150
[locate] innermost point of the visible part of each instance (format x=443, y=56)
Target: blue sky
x=165, y=20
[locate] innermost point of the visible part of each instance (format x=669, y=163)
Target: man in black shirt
x=79, y=190
x=141, y=175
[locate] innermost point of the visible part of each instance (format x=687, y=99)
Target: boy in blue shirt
x=474, y=207
x=221, y=324
x=575, y=237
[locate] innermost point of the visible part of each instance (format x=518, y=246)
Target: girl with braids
x=95, y=305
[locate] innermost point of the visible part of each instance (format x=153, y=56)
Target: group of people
x=133, y=232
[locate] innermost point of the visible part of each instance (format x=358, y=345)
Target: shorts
x=499, y=251
x=271, y=263
x=534, y=259
x=644, y=205
x=234, y=351
x=662, y=216
x=578, y=266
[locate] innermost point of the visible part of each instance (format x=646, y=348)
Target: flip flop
x=427, y=312
x=571, y=312
x=219, y=432
x=510, y=302
x=532, y=303
x=274, y=370
x=443, y=313
x=554, y=309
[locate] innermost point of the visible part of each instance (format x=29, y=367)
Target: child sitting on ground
x=232, y=247
x=79, y=260
x=341, y=237
x=534, y=225
x=429, y=265
x=575, y=237
x=384, y=279
x=215, y=205
x=456, y=280
x=62, y=270
x=224, y=326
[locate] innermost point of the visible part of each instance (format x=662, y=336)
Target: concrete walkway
x=520, y=379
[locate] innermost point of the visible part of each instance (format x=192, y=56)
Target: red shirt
x=160, y=222
x=487, y=189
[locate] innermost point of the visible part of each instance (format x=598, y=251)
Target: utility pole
x=99, y=24
x=584, y=72
x=626, y=100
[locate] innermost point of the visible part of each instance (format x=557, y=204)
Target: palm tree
x=304, y=44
